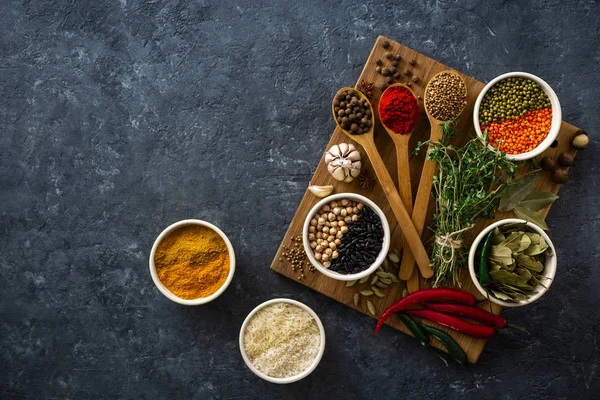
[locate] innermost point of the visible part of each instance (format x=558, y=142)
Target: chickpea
x=326, y=208
x=335, y=255
x=350, y=210
x=321, y=221
x=325, y=230
x=332, y=245
x=327, y=264
x=332, y=231
x=337, y=242
x=355, y=210
x=319, y=235
x=328, y=251
x=330, y=238
x=313, y=245
x=341, y=223
x=360, y=206
x=311, y=236
x=325, y=257
x=327, y=224
x=348, y=219
x=355, y=217
x=334, y=224
x=313, y=222
x=344, y=202
x=312, y=229
x=339, y=235
x=344, y=229
x=334, y=204
x=318, y=256
x=318, y=249
x=336, y=211
x=331, y=216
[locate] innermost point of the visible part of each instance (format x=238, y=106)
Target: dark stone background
x=118, y=118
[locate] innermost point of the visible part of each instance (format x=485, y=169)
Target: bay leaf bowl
x=548, y=272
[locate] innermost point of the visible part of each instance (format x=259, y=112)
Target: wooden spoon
x=402, y=155
x=424, y=192
x=366, y=140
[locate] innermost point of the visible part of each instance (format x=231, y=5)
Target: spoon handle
x=408, y=229
x=403, y=165
x=420, y=209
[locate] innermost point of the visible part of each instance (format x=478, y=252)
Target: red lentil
x=520, y=134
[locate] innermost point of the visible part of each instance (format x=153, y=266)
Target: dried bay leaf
x=530, y=263
x=500, y=295
x=531, y=216
x=501, y=254
x=509, y=278
x=537, y=200
x=517, y=193
x=524, y=244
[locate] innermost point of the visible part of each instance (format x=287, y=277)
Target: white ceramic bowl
x=163, y=289
x=384, y=248
x=291, y=378
x=556, y=114
x=549, y=269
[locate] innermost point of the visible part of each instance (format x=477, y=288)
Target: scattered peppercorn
x=415, y=78
x=392, y=70
x=397, y=75
x=397, y=57
x=385, y=71
x=388, y=55
x=395, y=63
x=412, y=62
x=389, y=80
x=408, y=72
x=385, y=44
x=379, y=62
x=566, y=159
x=560, y=175
x=382, y=86
x=580, y=140
x=548, y=164
x=378, y=69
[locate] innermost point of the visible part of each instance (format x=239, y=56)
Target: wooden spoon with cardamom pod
x=366, y=140
x=445, y=99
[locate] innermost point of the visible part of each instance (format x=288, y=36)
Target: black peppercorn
x=392, y=70
x=388, y=55
x=408, y=72
x=412, y=62
x=385, y=71
x=397, y=57
x=378, y=69
x=379, y=62
x=394, y=63
x=415, y=78
x=397, y=75
x=385, y=44
x=389, y=80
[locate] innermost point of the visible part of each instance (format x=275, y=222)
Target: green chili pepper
x=484, y=275
x=420, y=334
x=449, y=343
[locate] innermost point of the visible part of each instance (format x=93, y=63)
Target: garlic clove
x=321, y=191
x=354, y=155
x=351, y=147
x=339, y=173
x=355, y=170
x=349, y=179
x=343, y=148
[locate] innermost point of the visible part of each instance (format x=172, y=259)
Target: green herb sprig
x=468, y=184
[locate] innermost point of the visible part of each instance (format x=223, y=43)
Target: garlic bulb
x=343, y=162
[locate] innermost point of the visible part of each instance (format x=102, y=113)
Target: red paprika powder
x=399, y=110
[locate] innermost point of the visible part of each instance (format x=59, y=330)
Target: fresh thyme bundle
x=468, y=184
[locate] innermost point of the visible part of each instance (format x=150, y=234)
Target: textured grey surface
x=118, y=118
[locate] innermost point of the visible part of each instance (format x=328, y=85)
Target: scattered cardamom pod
x=363, y=280
x=374, y=280
x=393, y=258
x=371, y=307
x=405, y=292
x=366, y=293
x=356, y=299
x=386, y=281
x=382, y=274
x=350, y=283
x=381, y=285
x=377, y=292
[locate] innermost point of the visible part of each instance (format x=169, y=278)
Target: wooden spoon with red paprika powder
x=399, y=113
x=366, y=140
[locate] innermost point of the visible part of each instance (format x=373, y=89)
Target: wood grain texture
x=425, y=68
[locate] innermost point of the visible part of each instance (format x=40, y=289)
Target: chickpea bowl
x=346, y=236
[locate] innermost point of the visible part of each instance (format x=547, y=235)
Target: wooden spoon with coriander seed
x=401, y=140
x=366, y=140
x=445, y=99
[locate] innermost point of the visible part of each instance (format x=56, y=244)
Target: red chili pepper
x=479, y=331
x=474, y=313
x=423, y=296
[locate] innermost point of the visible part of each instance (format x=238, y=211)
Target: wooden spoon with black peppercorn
x=365, y=138
x=445, y=99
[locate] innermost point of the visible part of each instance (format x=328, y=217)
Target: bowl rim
x=549, y=268
x=556, y=114
x=289, y=379
x=384, y=248
x=163, y=289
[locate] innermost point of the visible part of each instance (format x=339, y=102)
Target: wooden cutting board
x=424, y=67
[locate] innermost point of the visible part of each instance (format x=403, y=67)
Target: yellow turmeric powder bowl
x=192, y=262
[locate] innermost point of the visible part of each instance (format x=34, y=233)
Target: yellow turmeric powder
x=192, y=261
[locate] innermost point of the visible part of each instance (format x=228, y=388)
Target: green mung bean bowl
x=554, y=103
